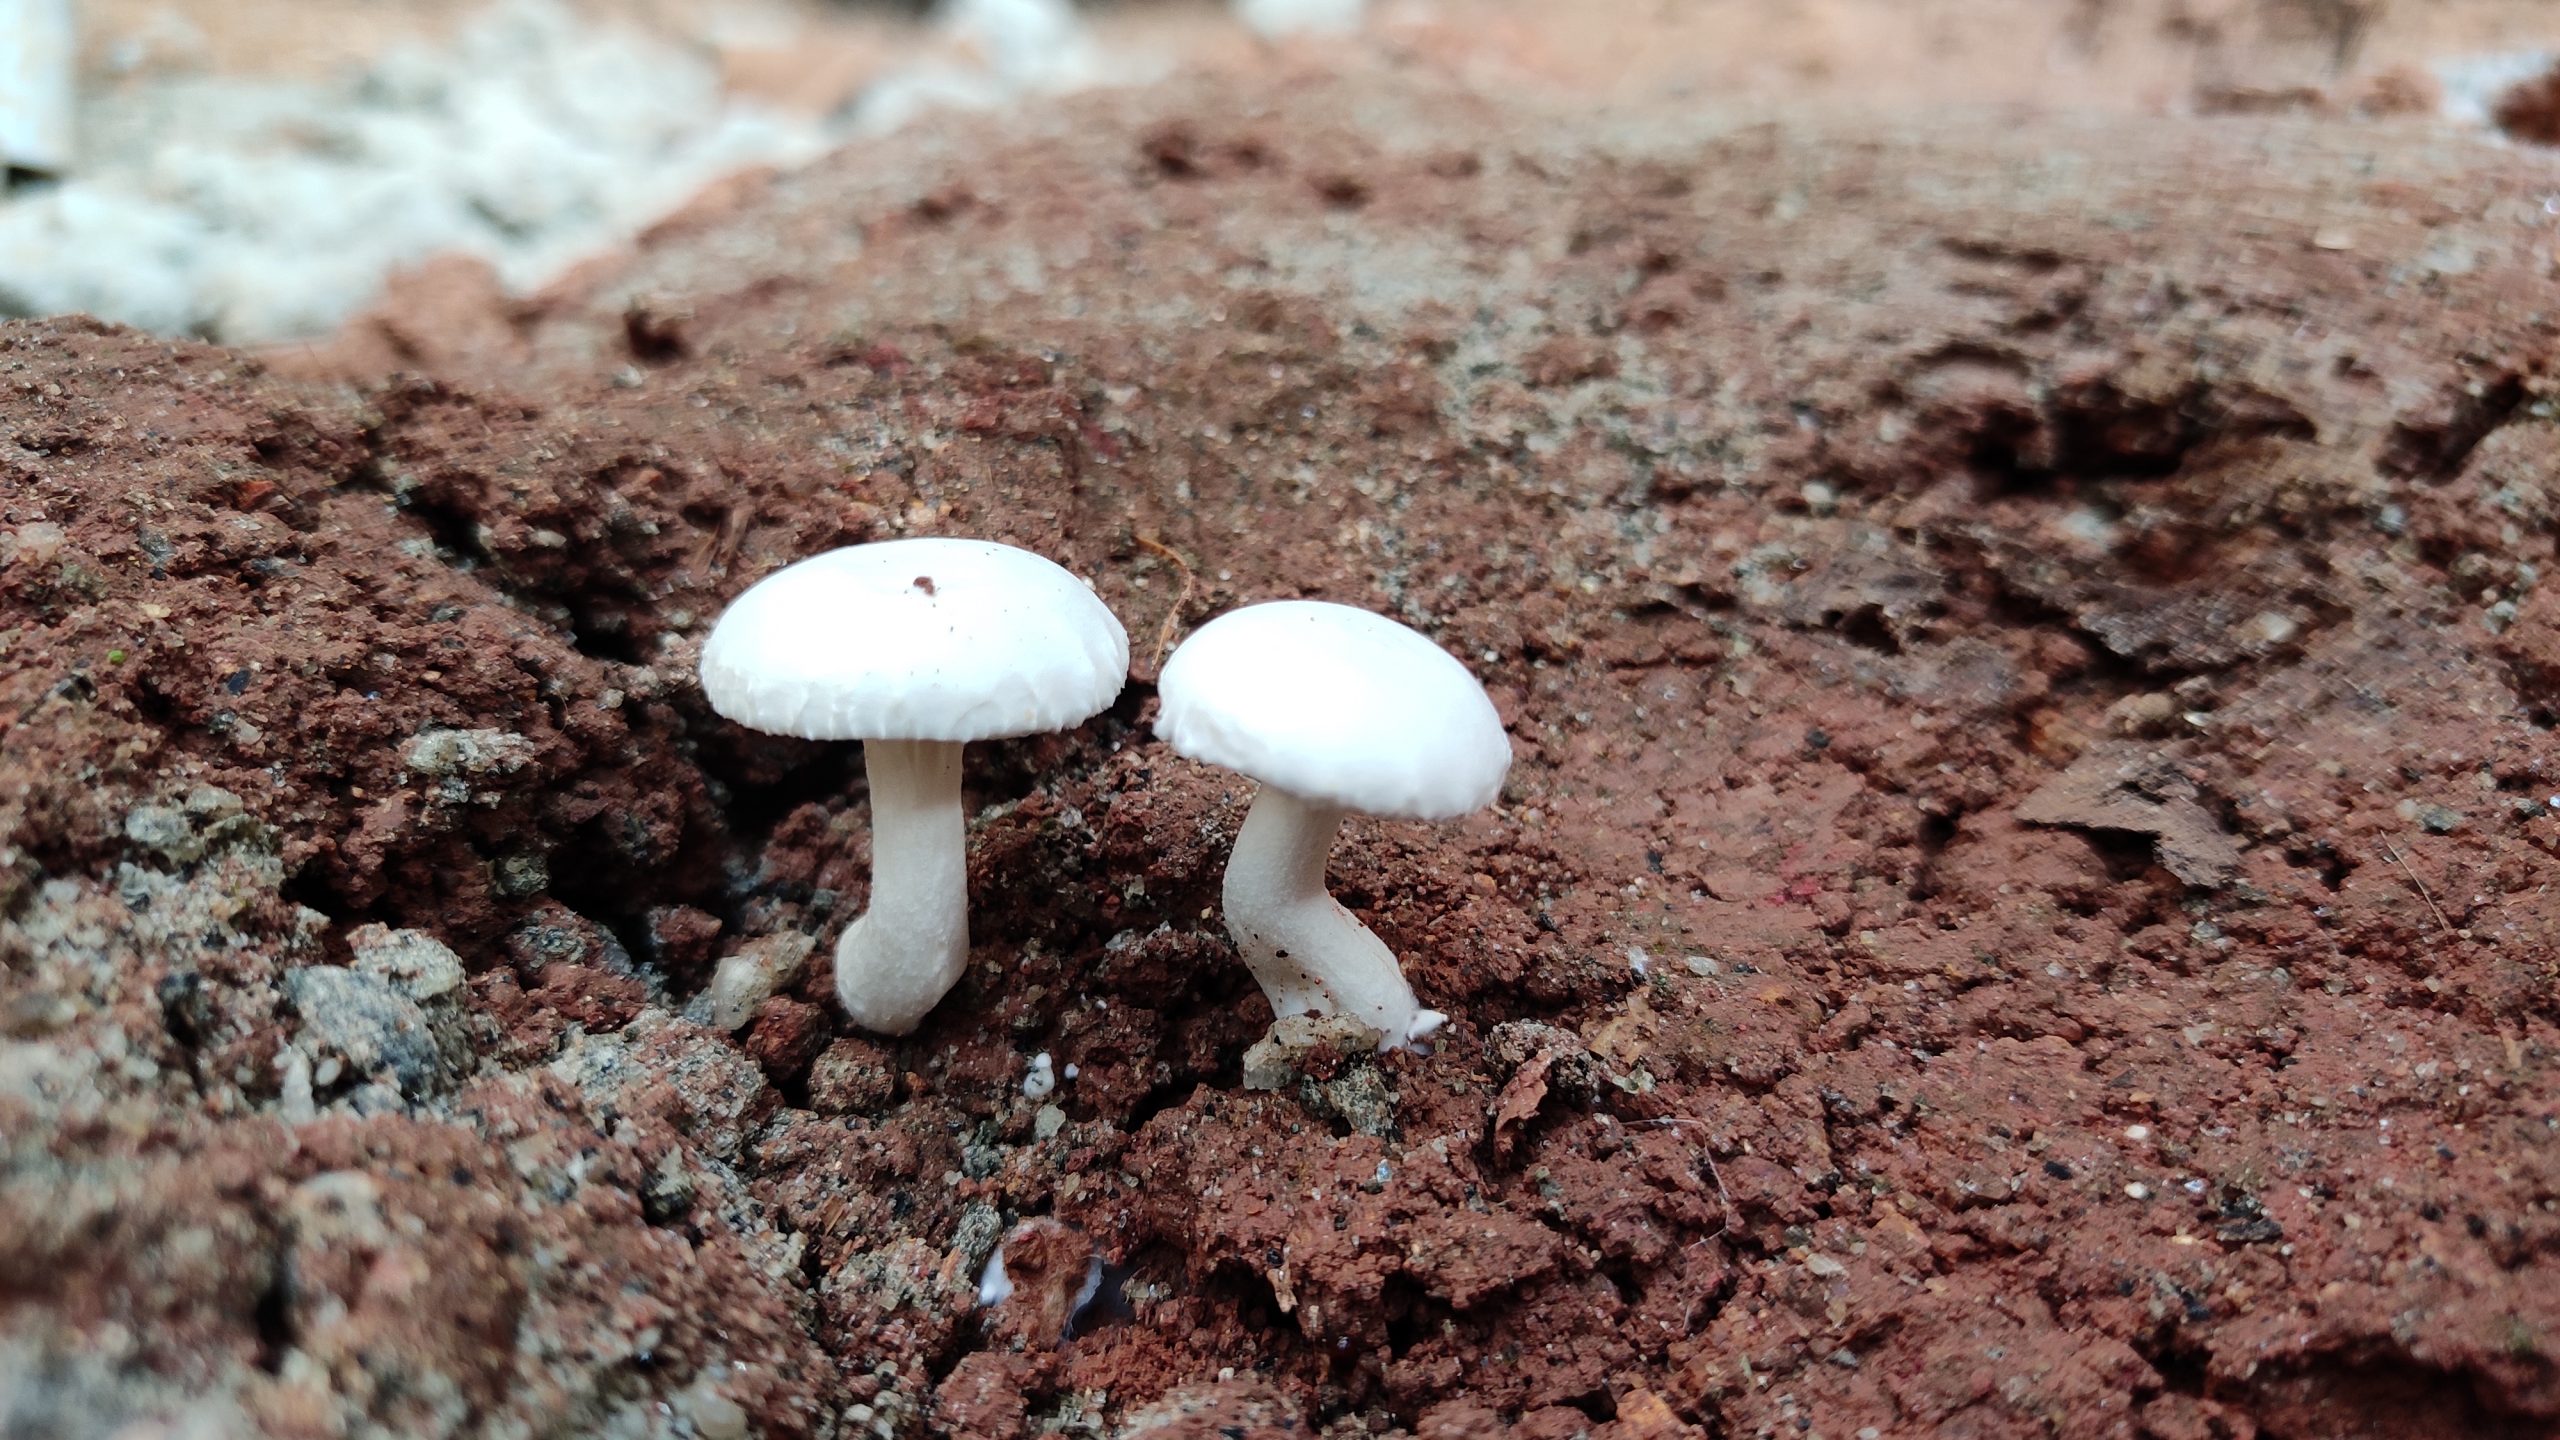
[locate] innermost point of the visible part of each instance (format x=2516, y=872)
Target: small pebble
x=295, y=1100
x=2137, y=1132
x=2137, y=1190
x=756, y=973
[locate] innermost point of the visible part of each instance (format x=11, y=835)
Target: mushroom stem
x=906, y=952
x=1308, y=952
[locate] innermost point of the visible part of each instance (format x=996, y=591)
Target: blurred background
x=253, y=171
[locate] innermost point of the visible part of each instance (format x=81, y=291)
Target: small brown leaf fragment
x=1626, y=1038
x=1521, y=1098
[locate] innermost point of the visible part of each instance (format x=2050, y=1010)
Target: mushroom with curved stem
x=1335, y=710
x=1308, y=952
x=914, y=647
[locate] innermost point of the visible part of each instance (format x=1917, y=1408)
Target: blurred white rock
x=1275, y=18
x=2474, y=84
x=997, y=50
x=35, y=85
x=258, y=211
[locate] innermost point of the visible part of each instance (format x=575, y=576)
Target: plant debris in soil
x=2024, y=906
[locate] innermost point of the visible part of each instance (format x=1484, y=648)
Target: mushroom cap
x=1338, y=705
x=915, y=640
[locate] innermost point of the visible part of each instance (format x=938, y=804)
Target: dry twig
x=1181, y=597
x=2418, y=885
x=1707, y=1152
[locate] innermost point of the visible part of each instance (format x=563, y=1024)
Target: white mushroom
x=913, y=647
x=1334, y=710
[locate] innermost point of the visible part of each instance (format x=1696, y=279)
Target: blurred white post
x=35, y=85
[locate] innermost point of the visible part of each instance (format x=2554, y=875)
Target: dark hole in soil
x=309, y=887
x=2438, y=452
x=2333, y=865
x=830, y=774
x=1866, y=627
x=1621, y=1276
x=1936, y=833
x=2182, y=1369
x=453, y=531
x=2127, y=855
x=605, y=634
x=2354, y=1396
x=1109, y=1303
x=1177, y=1087
x=274, y=1317
x=1598, y=1404
x=185, y=1009
x=1411, y=1315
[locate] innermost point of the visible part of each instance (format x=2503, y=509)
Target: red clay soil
x=2024, y=907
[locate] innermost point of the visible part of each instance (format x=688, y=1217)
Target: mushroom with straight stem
x=1334, y=710
x=914, y=647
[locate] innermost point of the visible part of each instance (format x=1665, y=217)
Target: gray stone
x=367, y=1024
x=165, y=831
x=477, y=753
